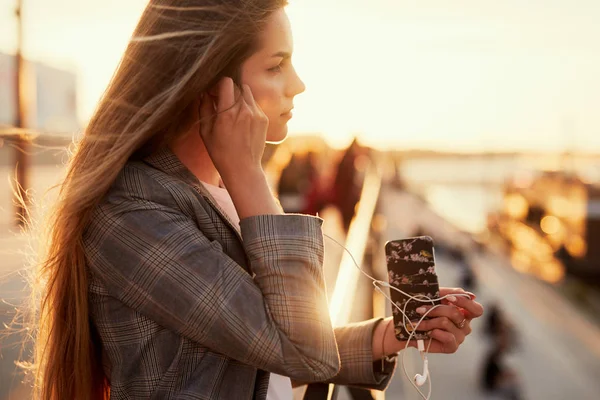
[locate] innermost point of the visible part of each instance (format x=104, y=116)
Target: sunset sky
x=440, y=74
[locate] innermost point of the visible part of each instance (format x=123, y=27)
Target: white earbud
x=421, y=379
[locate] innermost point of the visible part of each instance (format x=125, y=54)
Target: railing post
x=21, y=158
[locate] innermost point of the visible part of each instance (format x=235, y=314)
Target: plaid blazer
x=187, y=307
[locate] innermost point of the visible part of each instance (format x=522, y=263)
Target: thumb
x=207, y=116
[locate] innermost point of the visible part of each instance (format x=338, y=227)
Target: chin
x=276, y=136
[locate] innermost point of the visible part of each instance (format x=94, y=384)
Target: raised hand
x=233, y=128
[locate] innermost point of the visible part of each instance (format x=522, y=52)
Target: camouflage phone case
x=411, y=268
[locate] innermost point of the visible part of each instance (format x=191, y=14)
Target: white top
x=280, y=387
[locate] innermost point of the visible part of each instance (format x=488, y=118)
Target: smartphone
x=411, y=268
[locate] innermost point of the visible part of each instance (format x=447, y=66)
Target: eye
x=284, y=62
x=276, y=68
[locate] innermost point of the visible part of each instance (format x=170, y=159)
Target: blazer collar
x=165, y=160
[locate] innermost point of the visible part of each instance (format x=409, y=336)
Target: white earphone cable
x=405, y=319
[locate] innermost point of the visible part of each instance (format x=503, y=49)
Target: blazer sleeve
x=155, y=260
x=355, y=343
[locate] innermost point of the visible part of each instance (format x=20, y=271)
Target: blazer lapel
x=166, y=161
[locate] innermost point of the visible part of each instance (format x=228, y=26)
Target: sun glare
x=396, y=74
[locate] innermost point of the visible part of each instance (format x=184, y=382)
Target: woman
x=153, y=288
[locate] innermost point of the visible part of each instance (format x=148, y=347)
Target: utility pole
x=21, y=161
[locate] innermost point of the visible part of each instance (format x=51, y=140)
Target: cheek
x=268, y=100
x=267, y=95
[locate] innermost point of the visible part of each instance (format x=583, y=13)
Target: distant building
x=52, y=94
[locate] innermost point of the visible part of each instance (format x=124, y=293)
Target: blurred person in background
x=316, y=193
x=292, y=185
x=170, y=270
x=299, y=189
x=497, y=323
x=460, y=255
x=497, y=378
x=346, y=186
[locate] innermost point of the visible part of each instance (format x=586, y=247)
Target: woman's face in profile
x=271, y=76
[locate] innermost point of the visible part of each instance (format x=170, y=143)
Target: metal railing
x=346, y=285
x=356, y=244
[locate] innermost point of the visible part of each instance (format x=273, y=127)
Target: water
x=465, y=207
x=464, y=190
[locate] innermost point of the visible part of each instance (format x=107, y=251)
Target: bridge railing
x=358, y=242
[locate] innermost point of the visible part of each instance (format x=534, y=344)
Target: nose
x=296, y=85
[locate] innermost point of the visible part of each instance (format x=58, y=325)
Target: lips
x=288, y=112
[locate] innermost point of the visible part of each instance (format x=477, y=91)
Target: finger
x=207, y=113
x=447, y=340
x=240, y=103
x=473, y=309
x=254, y=107
x=248, y=97
x=226, y=100
x=450, y=312
x=445, y=324
x=444, y=291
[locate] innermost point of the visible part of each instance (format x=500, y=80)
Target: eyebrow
x=282, y=54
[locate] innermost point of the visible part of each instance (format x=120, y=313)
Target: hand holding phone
x=411, y=269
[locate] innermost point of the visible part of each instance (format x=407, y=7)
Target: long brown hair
x=179, y=50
